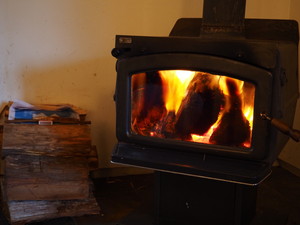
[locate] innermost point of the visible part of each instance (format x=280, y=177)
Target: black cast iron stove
x=198, y=104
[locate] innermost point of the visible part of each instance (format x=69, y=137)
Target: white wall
x=291, y=153
x=3, y=44
x=58, y=51
x=268, y=9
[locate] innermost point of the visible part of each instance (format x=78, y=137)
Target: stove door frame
x=261, y=78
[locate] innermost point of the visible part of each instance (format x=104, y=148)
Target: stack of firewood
x=45, y=171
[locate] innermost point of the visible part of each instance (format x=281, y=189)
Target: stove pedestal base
x=191, y=200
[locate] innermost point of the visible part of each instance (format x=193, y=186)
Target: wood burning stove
x=228, y=82
x=197, y=103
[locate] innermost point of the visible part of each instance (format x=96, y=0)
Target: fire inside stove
x=193, y=106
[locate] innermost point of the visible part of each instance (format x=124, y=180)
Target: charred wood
x=234, y=128
x=148, y=104
x=168, y=125
x=200, y=108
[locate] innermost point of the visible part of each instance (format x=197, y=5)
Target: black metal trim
x=262, y=79
x=192, y=164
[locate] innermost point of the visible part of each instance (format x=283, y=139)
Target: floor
x=128, y=200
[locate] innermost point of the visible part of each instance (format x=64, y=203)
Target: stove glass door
x=193, y=106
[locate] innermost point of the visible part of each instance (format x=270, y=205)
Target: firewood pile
x=45, y=171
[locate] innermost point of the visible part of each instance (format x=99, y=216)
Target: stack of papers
x=23, y=110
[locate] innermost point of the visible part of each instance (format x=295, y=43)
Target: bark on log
x=45, y=178
x=200, y=108
x=54, y=140
x=22, y=212
x=45, y=172
x=234, y=128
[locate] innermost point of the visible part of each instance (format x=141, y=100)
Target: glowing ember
x=205, y=137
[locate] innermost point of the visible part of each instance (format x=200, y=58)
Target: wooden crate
x=45, y=171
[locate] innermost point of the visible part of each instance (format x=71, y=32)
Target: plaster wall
x=58, y=51
x=291, y=152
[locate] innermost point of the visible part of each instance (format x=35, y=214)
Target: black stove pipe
x=223, y=17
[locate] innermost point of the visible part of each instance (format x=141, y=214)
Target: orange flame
x=176, y=83
x=247, y=111
x=224, y=88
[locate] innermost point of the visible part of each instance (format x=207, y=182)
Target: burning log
x=234, y=128
x=148, y=105
x=168, y=125
x=201, y=106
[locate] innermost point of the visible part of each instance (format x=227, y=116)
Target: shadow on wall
x=84, y=84
x=291, y=152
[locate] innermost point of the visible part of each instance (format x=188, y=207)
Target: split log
x=3, y=199
x=234, y=128
x=22, y=212
x=148, y=106
x=1, y=136
x=45, y=172
x=168, y=125
x=54, y=140
x=45, y=178
x=153, y=94
x=200, y=108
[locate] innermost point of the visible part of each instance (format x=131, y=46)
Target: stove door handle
x=284, y=128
